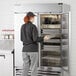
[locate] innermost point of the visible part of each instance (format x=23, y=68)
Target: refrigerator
x=51, y=20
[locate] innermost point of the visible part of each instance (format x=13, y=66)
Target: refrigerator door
x=65, y=44
x=18, y=44
x=54, y=52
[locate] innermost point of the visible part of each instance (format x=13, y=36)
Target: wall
x=7, y=18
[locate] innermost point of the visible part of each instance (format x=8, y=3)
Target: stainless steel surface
x=6, y=44
x=46, y=8
x=40, y=7
x=70, y=41
x=39, y=45
x=54, y=46
x=65, y=47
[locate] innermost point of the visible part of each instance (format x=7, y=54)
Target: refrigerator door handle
x=2, y=56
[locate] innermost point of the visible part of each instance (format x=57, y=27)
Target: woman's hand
x=47, y=37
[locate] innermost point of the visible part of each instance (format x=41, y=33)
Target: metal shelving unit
x=50, y=26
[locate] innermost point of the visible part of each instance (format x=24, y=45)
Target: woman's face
x=32, y=19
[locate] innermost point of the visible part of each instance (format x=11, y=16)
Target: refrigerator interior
x=54, y=52
x=50, y=51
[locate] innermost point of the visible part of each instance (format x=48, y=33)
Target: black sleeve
x=36, y=38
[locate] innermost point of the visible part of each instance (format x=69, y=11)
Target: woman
x=30, y=39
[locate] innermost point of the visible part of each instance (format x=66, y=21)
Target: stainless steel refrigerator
x=51, y=20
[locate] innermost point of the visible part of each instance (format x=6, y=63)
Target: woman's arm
x=35, y=36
